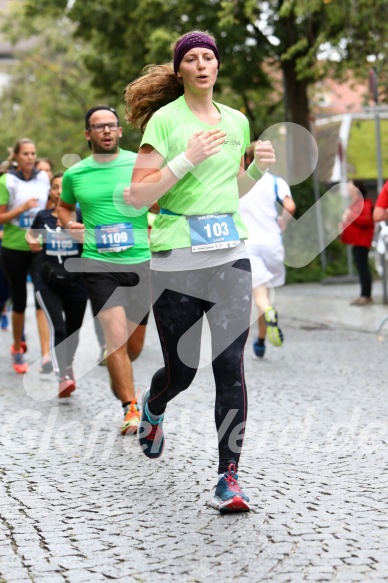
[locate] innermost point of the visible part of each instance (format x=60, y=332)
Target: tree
x=50, y=88
x=287, y=35
x=317, y=38
x=125, y=35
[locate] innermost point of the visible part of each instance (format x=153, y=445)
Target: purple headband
x=191, y=40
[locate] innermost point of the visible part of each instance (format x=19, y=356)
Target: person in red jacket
x=357, y=228
x=380, y=212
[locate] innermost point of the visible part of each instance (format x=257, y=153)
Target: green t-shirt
x=98, y=190
x=14, y=192
x=211, y=187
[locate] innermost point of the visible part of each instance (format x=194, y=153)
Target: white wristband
x=254, y=172
x=180, y=165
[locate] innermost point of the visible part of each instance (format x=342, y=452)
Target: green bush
x=336, y=252
x=336, y=264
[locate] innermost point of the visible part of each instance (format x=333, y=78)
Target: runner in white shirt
x=260, y=213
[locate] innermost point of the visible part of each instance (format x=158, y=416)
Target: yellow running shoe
x=275, y=335
x=103, y=356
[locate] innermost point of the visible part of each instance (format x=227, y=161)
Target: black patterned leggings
x=180, y=299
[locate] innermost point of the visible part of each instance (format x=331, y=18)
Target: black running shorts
x=108, y=288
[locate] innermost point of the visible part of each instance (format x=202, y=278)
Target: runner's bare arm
x=264, y=158
x=6, y=216
x=380, y=214
x=289, y=208
x=67, y=215
x=150, y=181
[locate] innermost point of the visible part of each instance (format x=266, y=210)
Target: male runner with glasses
x=115, y=258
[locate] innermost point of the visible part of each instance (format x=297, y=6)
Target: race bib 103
x=210, y=232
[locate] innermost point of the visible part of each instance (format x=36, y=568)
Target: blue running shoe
x=258, y=351
x=4, y=322
x=228, y=496
x=46, y=370
x=18, y=361
x=150, y=434
x=23, y=342
x=275, y=335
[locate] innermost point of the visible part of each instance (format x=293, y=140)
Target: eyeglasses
x=100, y=127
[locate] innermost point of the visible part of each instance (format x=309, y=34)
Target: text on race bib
x=114, y=238
x=210, y=232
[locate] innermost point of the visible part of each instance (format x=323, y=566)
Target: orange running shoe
x=131, y=418
x=18, y=363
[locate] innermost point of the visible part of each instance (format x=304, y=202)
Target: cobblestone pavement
x=80, y=503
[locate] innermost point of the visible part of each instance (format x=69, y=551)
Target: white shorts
x=267, y=265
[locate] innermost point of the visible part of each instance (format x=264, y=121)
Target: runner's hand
x=203, y=144
x=30, y=204
x=34, y=244
x=76, y=231
x=264, y=155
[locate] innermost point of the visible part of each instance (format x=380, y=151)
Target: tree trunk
x=296, y=98
x=297, y=111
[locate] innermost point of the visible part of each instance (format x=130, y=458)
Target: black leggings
x=180, y=299
x=360, y=255
x=17, y=265
x=65, y=318
x=4, y=290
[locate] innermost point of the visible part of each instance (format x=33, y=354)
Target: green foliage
x=308, y=274
x=303, y=195
x=335, y=252
x=361, y=154
x=287, y=35
x=125, y=35
x=50, y=89
x=337, y=265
